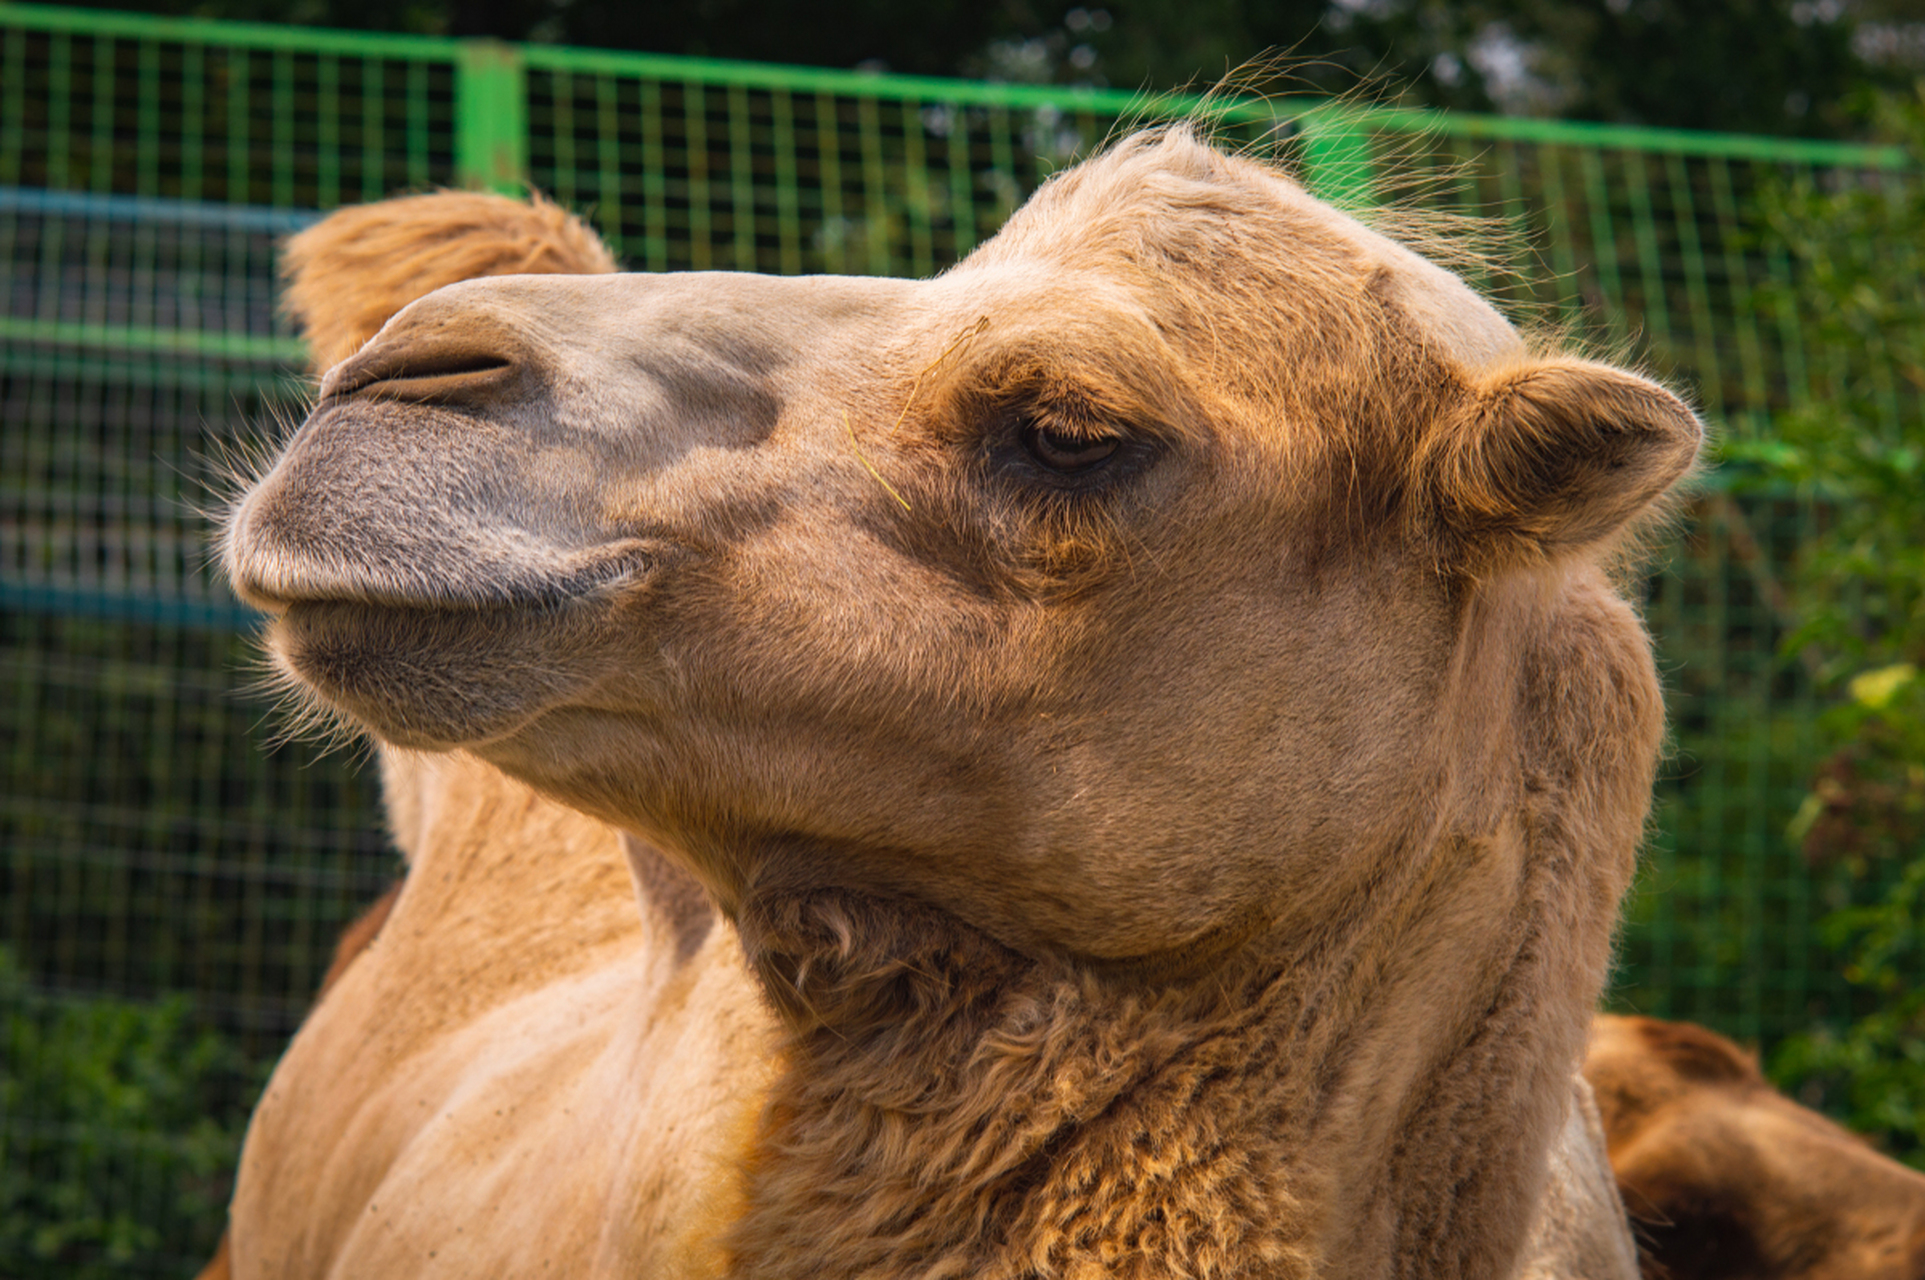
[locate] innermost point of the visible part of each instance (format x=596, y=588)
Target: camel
x=1120, y=759
x=1727, y=1178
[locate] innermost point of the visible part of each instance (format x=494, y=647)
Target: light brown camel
x=1144, y=708
x=348, y=274
x=1728, y=1179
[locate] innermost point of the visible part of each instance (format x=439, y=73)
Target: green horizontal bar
x=118, y=368
x=711, y=71
x=1338, y=160
x=252, y=35
x=189, y=342
x=1583, y=133
x=850, y=84
x=207, y=615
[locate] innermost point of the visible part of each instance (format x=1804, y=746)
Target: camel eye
x=1067, y=453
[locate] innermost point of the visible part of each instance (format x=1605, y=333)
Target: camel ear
x=1552, y=457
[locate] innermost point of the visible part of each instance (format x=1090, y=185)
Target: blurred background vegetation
x=1789, y=67
x=1857, y=592
x=137, y=1109
x=171, y=878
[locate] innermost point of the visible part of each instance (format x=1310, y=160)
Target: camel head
x=1182, y=564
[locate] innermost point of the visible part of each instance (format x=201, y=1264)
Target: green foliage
x=1872, y=1072
x=1867, y=814
x=115, y=1151
x=1756, y=66
x=1855, y=435
x=1854, y=439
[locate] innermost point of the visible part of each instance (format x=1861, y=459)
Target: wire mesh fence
x=158, y=843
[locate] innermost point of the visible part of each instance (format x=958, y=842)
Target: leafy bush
x=1854, y=439
x=117, y=1148
x=1854, y=434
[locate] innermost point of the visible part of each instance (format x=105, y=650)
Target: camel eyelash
x=1047, y=434
x=1059, y=453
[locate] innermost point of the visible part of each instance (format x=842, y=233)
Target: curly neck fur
x=1319, y=1105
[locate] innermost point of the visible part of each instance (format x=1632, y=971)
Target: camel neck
x=950, y=1107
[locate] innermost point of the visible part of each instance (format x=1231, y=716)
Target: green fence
x=156, y=839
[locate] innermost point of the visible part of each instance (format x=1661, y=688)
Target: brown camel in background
x=1728, y=1179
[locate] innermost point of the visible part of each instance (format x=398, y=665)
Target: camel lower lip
x=433, y=678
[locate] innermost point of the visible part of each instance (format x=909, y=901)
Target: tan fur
x=1727, y=1177
x=1204, y=870
x=1682, y=1122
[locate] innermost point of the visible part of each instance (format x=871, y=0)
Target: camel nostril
x=430, y=375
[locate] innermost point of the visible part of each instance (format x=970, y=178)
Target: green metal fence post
x=1338, y=161
x=491, y=117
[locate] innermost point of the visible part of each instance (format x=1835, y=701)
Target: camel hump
x=348, y=273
